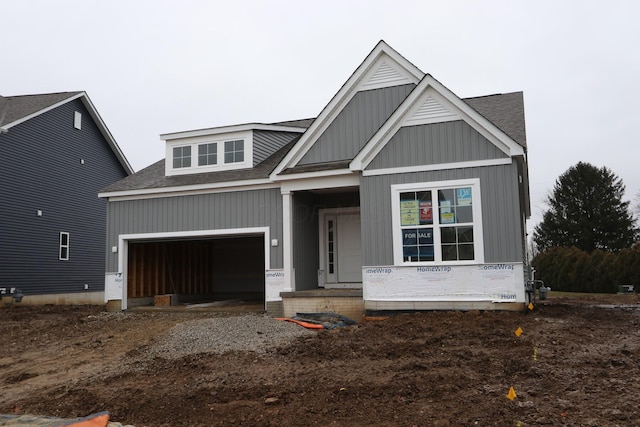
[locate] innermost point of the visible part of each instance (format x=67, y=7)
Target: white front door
x=341, y=248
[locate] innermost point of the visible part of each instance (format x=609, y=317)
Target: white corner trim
x=287, y=241
x=437, y=167
x=340, y=100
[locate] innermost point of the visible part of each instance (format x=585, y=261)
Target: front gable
x=355, y=124
x=437, y=144
x=383, y=73
x=432, y=103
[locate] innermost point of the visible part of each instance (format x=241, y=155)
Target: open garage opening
x=196, y=271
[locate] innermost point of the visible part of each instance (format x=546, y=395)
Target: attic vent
x=77, y=120
x=431, y=110
x=384, y=75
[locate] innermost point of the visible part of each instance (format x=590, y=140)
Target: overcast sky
x=157, y=66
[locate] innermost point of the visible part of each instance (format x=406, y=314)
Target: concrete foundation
x=347, y=302
x=80, y=298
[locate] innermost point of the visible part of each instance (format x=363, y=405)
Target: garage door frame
x=124, y=239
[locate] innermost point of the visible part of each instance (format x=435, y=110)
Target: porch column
x=287, y=242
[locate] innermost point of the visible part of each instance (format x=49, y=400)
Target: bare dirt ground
x=577, y=362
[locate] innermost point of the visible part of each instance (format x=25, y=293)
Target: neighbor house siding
x=356, y=124
x=500, y=213
x=266, y=143
x=41, y=169
x=446, y=142
x=218, y=211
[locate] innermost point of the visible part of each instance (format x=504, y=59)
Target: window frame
x=436, y=226
x=234, y=152
x=63, y=247
x=220, y=140
x=208, y=154
x=182, y=157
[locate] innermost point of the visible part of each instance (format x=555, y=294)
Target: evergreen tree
x=586, y=211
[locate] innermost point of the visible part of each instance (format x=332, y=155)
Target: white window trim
x=195, y=142
x=196, y=157
x=61, y=246
x=77, y=120
x=478, y=238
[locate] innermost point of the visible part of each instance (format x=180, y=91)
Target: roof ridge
x=70, y=93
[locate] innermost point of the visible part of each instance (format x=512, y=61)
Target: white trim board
x=396, y=231
x=188, y=190
x=124, y=239
x=437, y=167
x=228, y=129
x=322, y=182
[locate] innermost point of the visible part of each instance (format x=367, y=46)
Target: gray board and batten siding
x=42, y=169
x=305, y=240
x=447, y=142
x=356, y=124
x=214, y=211
x=501, y=220
x=265, y=143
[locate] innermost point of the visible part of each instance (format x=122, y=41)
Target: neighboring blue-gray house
x=399, y=189
x=55, y=155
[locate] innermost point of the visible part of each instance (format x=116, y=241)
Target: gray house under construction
x=399, y=193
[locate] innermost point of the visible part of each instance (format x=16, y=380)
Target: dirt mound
x=576, y=363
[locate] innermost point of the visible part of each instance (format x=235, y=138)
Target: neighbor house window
x=234, y=151
x=77, y=120
x=437, y=223
x=63, y=254
x=208, y=154
x=182, y=157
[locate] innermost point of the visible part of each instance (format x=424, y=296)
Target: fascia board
x=106, y=133
x=316, y=174
x=227, y=129
x=321, y=182
x=340, y=100
x=249, y=184
x=394, y=123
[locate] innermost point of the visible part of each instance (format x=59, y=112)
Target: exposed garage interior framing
x=222, y=266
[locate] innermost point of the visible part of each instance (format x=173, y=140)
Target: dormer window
x=234, y=151
x=210, y=153
x=182, y=157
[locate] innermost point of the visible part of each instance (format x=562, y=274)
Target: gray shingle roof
x=13, y=108
x=304, y=123
x=506, y=111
